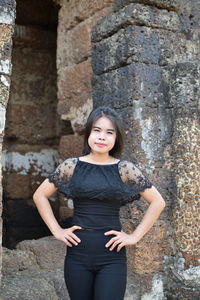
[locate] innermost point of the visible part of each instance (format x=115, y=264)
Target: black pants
x=92, y=271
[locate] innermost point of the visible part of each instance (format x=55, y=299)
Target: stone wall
x=30, y=149
x=7, y=19
x=145, y=60
x=142, y=58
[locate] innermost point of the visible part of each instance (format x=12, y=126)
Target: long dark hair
x=105, y=111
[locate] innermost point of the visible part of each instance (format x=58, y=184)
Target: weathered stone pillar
x=7, y=19
x=143, y=62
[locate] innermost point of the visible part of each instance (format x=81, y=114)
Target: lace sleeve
x=62, y=175
x=135, y=180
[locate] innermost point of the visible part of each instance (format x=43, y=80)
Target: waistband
x=97, y=229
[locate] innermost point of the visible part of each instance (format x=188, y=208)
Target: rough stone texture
x=29, y=93
x=34, y=285
x=74, y=45
x=31, y=119
x=18, y=260
x=48, y=251
x=7, y=12
x=166, y=4
x=73, y=58
x=74, y=93
x=7, y=17
x=145, y=60
x=74, y=84
x=136, y=14
x=147, y=45
x=34, y=271
x=80, y=11
x=71, y=146
x=181, y=282
x=186, y=164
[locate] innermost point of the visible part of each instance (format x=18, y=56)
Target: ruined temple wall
x=76, y=19
x=146, y=65
x=7, y=19
x=143, y=61
x=32, y=129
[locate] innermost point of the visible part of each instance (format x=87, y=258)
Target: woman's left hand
x=120, y=240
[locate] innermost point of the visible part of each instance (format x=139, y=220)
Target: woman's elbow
x=162, y=203
x=35, y=196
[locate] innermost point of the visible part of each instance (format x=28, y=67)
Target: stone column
x=143, y=61
x=7, y=19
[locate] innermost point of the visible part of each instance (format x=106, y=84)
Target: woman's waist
x=96, y=212
x=92, y=223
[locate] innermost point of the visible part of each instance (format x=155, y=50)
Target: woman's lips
x=100, y=145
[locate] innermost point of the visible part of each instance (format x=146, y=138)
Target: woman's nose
x=102, y=136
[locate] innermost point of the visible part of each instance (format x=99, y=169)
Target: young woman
x=99, y=184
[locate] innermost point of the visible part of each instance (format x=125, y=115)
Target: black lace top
x=98, y=191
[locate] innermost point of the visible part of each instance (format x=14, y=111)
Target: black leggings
x=93, y=272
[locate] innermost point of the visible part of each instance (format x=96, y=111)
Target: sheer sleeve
x=62, y=175
x=135, y=181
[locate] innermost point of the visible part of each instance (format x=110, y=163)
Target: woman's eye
x=110, y=132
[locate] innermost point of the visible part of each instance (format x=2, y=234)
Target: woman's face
x=102, y=136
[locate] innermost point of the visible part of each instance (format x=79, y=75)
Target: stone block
x=27, y=127
x=34, y=285
x=3, y=116
x=38, y=86
x=183, y=82
x=164, y=4
x=140, y=99
x=141, y=44
x=7, y=12
x=70, y=146
x=78, y=116
x=16, y=186
x=135, y=14
x=80, y=10
x=74, y=45
x=133, y=43
x=136, y=84
x=74, y=88
x=147, y=255
x=6, y=32
x=18, y=260
x=49, y=252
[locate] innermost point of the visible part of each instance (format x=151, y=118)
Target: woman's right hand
x=67, y=236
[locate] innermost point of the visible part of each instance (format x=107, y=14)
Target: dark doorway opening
x=33, y=127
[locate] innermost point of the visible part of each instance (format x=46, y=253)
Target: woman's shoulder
x=67, y=164
x=127, y=164
x=70, y=161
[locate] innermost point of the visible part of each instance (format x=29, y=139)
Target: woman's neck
x=100, y=158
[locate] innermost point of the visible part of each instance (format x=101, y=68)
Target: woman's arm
x=157, y=204
x=40, y=197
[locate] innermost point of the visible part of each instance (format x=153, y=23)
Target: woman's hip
x=93, y=245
